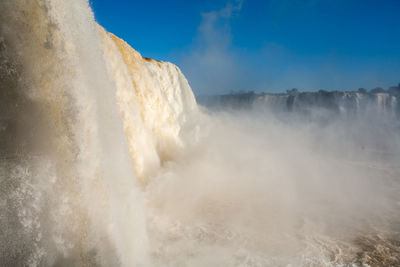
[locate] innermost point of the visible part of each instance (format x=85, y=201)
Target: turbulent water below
x=107, y=160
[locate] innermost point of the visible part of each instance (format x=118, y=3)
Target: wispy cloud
x=211, y=65
x=218, y=63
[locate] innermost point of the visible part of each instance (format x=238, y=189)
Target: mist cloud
x=211, y=64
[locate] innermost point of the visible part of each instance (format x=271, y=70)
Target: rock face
x=155, y=101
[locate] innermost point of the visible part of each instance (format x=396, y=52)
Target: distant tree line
x=393, y=90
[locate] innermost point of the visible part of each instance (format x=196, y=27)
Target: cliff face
x=155, y=101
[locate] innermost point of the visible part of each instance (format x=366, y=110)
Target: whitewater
x=106, y=159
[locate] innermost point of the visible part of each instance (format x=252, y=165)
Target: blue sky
x=270, y=45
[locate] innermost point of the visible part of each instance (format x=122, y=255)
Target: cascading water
x=69, y=193
x=106, y=160
x=155, y=100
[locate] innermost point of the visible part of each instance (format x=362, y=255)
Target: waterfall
x=69, y=191
x=106, y=160
x=155, y=101
x=85, y=120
